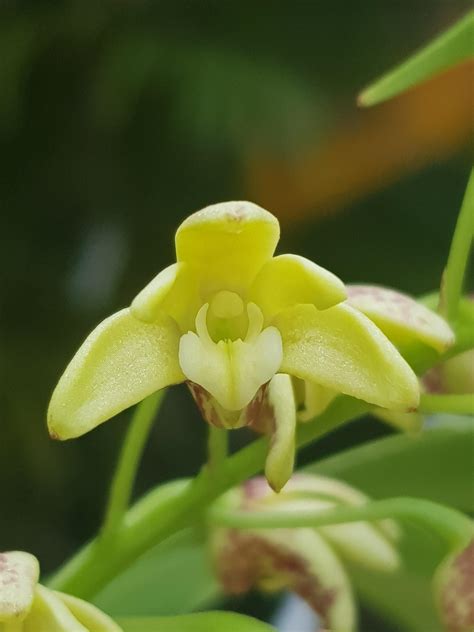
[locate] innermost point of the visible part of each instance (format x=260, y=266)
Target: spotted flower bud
x=27, y=606
x=307, y=561
x=454, y=588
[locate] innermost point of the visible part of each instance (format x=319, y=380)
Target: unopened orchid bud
x=308, y=561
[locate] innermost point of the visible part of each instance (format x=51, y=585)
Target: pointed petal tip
x=363, y=99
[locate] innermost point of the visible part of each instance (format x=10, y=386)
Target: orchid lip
x=231, y=368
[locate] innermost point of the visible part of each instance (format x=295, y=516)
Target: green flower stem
x=132, y=449
x=216, y=447
x=459, y=255
x=179, y=504
x=456, y=404
x=454, y=527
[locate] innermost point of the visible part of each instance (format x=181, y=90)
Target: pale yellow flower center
x=227, y=304
x=230, y=355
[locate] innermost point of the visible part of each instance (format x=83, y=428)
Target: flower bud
x=454, y=589
x=305, y=560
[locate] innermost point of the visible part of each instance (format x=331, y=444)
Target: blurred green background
x=119, y=118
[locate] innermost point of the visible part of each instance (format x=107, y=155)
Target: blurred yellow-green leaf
x=450, y=48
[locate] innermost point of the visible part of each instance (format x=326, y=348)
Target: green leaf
x=450, y=48
x=384, y=593
x=199, y=622
x=436, y=465
x=173, y=578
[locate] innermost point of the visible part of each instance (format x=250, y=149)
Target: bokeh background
x=119, y=118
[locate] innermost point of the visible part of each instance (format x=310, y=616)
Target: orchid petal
x=363, y=544
x=341, y=349
x=121, y=362
x=147, y=305
x=49, y=614
x=314, y=399
x=281, y=453
x=174, y=291
x=401, y=317
x=296, y=559
x=88, y=615
x=227, y=244
x=19, y=574
x=288, y=280
x=309, y=489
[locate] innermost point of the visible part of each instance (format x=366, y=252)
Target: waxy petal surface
x=232, y=371
x=343, y=350
x=401, y=317
x=148, y=304
x=19, y=574
x=49, y=614
x=280, y=406
x=121, y=362
x=174, y=291
x=315, y=400
x=227, y=244
x=289, y=280
x=88, y=615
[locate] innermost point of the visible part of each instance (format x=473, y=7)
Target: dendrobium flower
x=237, y=324
x=27, y=606
x=307, y=561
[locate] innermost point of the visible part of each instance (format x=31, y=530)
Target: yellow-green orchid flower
x=235, y=322
x=308, y=561
x=27, y=606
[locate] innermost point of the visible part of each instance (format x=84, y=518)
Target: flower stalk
x=125, y=473
x=179, y=504
x=451, y=525
x=217, y=444
x=458, y=255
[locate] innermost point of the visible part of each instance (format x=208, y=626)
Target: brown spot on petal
x=247, y=560
x=204, y=401
x=257, y=414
